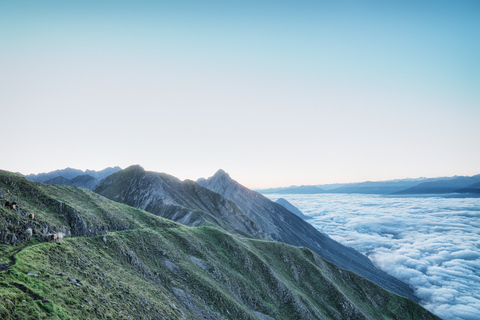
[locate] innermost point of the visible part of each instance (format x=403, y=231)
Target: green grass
x=129, y=277
x=152, y=268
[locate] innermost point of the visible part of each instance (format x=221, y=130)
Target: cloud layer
x=433, y=244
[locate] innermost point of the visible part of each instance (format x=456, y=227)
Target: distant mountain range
x=451, y=185
x=87, y=179
x=460, y=185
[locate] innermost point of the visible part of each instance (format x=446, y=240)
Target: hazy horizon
x=274, y=92
x=238, y=179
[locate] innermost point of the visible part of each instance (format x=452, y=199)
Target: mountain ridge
x=71, y=173
x=284, y=226
x=185, y=202
x=149, y=267
x=181, y=201
x=82, y=181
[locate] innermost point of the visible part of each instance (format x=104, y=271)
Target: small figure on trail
x=11, y=205
x=53, y=237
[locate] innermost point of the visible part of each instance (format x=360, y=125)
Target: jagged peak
x=221, y=174
x=222, y=179
x=219, y=180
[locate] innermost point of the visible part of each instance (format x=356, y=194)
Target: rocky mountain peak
x=221, y=177
x=135, y=167
x=182, y=201
x=222, y=183
x=221, y=173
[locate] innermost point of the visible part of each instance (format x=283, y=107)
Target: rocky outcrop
x=18, y=228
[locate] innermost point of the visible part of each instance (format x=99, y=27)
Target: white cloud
x=433, y=244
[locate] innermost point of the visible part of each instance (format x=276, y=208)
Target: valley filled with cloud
x=431, y=243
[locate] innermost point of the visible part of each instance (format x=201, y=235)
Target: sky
x=276, y=93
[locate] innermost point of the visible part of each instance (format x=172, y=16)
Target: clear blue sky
x=274, y=92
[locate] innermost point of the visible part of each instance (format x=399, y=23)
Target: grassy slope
x=156, y=269
x=74, y=211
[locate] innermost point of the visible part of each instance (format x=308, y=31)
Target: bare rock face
x=284, y=226
x=185, y=202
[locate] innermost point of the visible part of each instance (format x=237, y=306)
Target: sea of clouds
x=431, y=243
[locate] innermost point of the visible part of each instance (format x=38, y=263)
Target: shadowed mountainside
x=83, y=181
x=181, y=201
